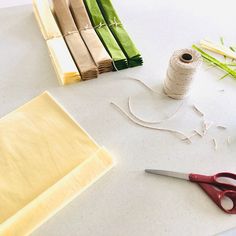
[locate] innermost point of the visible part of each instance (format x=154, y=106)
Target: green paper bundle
x=121, y=35
x=104, y=33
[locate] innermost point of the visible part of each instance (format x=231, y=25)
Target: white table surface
x=127, y=201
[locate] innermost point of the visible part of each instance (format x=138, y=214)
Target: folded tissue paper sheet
x=46, y=160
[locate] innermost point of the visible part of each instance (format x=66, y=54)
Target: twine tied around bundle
x=71, y=32
x=87, y=27
x=115, y=23
x=100, y=25
x=182, y=67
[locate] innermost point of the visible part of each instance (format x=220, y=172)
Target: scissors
x=218, y=187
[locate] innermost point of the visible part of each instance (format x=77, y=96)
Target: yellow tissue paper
x=61, y=58
x=46, y=160
x=62, y=61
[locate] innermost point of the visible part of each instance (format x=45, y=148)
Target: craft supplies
x=151, y=124
x=120, y=34
x=215, y=144
x=76, y=45
x=95, y=46
x=197, y=110
x=46, y=160
x=90, y=42
x=219, y=187
x=62, y=61
x=182, y=67
x=105, y=35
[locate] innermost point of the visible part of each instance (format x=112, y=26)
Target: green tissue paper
x=121, y=35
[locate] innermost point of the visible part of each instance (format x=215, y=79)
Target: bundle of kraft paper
x=95, y=46
x=76, y=45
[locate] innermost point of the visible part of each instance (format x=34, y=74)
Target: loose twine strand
x=184, y=137
x=182, y=73
x=172, y=115
x=144, y=123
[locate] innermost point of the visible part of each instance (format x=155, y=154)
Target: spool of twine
x=182, y=67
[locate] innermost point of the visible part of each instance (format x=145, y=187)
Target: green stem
x=224, y=76
x=216, y=62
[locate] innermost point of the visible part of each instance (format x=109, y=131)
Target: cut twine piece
x=188, y=139
x=147, y=126
x=198, y=111
x=206, y=126
x=152, y=122
x=215, y=144
x=195, y=132
x=198, y=133
x=221, y=127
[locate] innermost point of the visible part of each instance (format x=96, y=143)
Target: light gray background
x=127, y=201
x=10, y=3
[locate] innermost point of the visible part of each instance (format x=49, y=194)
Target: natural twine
x=180, y=73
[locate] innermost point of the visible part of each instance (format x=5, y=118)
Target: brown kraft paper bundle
x=95, y=46
x=76, y=45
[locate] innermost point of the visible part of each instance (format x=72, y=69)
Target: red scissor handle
x=214, y=180
x=209, y=184
x=217, y=196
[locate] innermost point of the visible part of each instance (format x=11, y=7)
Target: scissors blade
x=168, y=173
